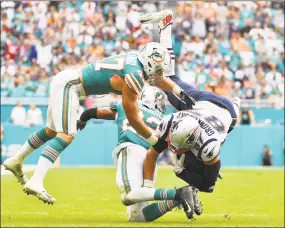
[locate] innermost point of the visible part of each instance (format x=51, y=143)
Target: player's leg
x=163, y=20
x=64, y=106
x=37, y=139
x=129, y=177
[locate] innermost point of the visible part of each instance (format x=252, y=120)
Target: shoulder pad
x=211, y=150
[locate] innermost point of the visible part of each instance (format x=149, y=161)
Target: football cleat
x=14, y=165
x=187, y=201
x=198, y=207
x=162, y=19
x=32, y=189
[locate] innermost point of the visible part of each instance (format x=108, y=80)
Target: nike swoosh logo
x=142, y=21
x=189, y=208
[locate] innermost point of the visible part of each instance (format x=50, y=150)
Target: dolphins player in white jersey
x=195, y=135
x=129, y=157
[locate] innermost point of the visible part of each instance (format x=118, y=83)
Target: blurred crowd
x=231, y=48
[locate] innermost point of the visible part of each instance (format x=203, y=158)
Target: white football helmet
x=154, y=98
x=183, y=135
x=211, y=151
x=155, y=59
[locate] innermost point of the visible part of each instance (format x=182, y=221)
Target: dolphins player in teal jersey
x=122, y=74
x=129, y=157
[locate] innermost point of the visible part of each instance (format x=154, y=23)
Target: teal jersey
x=96, y=76
x=126, y=132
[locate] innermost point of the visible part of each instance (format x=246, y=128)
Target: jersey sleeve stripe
x=131, y=83
x=136, y=82
x=203, y=146
x=128, y=82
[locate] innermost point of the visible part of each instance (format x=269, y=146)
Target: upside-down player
x=195, y=135
x=129, y=156
x=122, y=74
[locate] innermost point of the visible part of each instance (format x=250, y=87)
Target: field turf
x=89, y=197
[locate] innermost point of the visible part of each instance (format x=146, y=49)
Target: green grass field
x=88, y=197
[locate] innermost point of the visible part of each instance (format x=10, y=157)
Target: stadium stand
x=231, y=48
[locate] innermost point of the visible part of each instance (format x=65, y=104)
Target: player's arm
x=168, y=85
x=155, y=150
x=211, y=159
x=129, y=102
x=95, y=113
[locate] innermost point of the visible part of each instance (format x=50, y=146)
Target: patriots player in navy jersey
x=197, y=132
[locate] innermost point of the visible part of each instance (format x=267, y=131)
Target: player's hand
x=188, y=101
x=80, y=124
x=178, y=163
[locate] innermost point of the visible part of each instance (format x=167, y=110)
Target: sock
x=165, y=194
x=48, y=156
x=166, y=41
x=35, y=141
x=156, y=210
x=138, y=195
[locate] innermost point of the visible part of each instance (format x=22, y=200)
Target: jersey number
x=117, y=65
x=151, y=121
x=215, y=123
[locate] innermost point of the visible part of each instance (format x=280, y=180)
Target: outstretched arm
x=95, y=113
x=149, y=167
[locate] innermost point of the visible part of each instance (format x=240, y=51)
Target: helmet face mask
x=155, y=59
x=153, y=98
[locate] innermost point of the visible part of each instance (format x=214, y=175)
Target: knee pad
x=124, y=197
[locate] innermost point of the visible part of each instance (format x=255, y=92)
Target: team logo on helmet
x=159, y=96
x=157, y=55
x=192, y=136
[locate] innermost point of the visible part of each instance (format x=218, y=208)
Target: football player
x=122, y=74
x=129, y=156
x=195, y=136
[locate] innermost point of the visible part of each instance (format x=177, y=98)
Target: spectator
x=34, y=116
x=18, y=114
x=273, y=77
x=242, y=41
x=246, y=117
x=267, y=156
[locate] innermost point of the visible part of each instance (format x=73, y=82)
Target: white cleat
x=14, y=165
x=32, y=188
x=162, y=18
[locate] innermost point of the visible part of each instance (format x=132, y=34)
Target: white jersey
x=212, y=129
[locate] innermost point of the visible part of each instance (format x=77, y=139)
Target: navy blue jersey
x=199, y=95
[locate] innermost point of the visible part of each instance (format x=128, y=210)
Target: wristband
x=176, y=90
x=148, y=183
x=152, y=139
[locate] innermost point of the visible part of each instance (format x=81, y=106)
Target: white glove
x=178, y=163
x=148, y=183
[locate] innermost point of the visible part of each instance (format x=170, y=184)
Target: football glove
x=188, y=101
x=178, y=163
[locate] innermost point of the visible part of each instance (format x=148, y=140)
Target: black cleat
x=187, y=201
x=198, y=207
